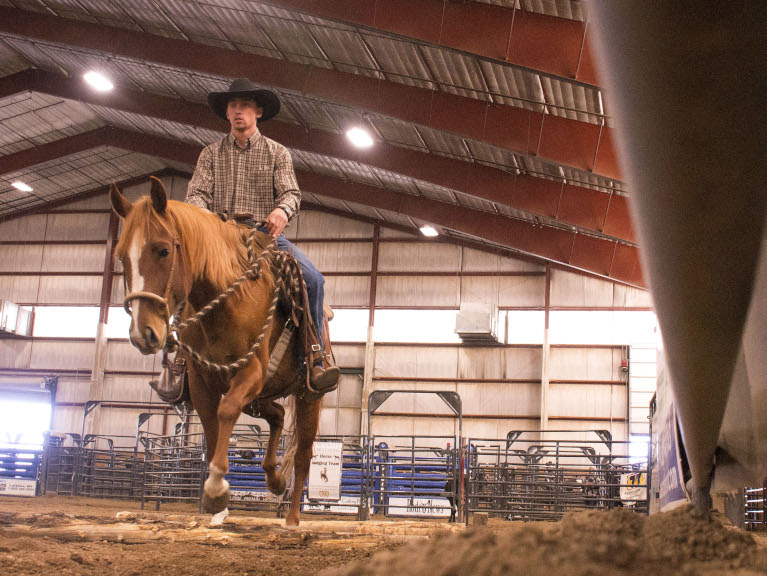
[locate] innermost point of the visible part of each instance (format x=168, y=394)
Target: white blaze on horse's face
x=137, y=284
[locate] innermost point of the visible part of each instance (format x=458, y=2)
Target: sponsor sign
x=633, y=488
x=253, y=496
x=345, y=505
x=325, y=471
x=430, y=507
x=670, y=482
x=18, y=487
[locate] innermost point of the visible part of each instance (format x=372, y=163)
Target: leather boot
x=324, y=376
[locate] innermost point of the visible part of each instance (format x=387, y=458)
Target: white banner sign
x=346, y=505
x=325, y=471
x=17, y=487
x=252, y=496
x=431, y=507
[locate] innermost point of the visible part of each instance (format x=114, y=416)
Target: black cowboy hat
x=244, y=88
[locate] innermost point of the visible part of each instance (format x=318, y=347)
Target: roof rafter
x=572, y=143
x=601, y=256
x=589, y=209
x=552, y=45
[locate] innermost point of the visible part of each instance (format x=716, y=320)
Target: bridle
x=144, y=295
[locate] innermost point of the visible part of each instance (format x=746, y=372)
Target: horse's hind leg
x=307, y=422
x=274, y=414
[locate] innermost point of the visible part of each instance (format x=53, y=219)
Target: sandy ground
x=67, y=536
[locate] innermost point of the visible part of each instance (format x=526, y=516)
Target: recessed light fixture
x=359, y=137
x=19, y=185
x=429, y=231
x=98, y=81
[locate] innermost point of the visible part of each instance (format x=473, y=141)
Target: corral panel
x=70, y=290
x=418, y=256
x=571, y=289
x=62, y=355
x=77, y=227
x=20, y=258
x=415, y=403
x=339, y=257
x=585, y=364
x=413, y=361
x=480, y=261
x=23, y=228
x=15, y=353
x=587, y=400
x=314, y=224
x=121, y=355
x=347, y=290
x=19, y=288
x=73, y=258
x=417, y=291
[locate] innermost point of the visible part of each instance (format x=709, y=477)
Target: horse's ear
x=159, y=196
x=120, y=204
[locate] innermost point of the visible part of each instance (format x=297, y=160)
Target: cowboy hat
x=244, y=88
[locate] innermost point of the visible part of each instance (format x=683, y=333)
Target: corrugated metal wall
x=58, y=258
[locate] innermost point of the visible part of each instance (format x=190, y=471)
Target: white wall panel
x=19, y=288
x=73, y=388
x=100, y=202
x=629, y=296
x=118, y=388
x=70, y=290
x=15, y=353
x=496, y=428
x=398, y=426
x=136, y=191
x=121, y=355
x=339, y=257
x=571, y=289
x=392, y=233
x=414, y=361
x=414, y=291
x=500, y=399
x=583, y=400
x=62, y=355
x=314, y=224
x=418, y=256
x=349, y=356
x=479, y=261
x=73, y=258
x=118, y=291
x=585, y=364
x=347, y=290
x=24, y=228
x=77, y=227
x=67, y=419
x=20, y=258
x=504, y=290
x=501, y=362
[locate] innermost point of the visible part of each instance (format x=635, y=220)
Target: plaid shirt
x=252, y=180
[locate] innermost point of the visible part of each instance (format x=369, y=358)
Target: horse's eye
x=164, y=253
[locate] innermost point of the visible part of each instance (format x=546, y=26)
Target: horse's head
x=153, y=267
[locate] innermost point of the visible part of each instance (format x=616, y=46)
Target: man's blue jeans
x=315, y=281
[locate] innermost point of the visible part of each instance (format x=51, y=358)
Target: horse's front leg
x=244, y=387
x=274, y=414
x=307, y=422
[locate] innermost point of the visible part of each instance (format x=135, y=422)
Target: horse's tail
x=291, y=444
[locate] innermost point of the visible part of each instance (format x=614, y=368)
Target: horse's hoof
x=218, y=519
x=291, y=522
x=279, y=489
x=215, y=505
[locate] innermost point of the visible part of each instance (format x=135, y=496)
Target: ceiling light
x=360, y=138
x=19, y=185
x=98, y=81
x=429, y=231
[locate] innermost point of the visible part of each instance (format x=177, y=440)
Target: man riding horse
x=249, y=178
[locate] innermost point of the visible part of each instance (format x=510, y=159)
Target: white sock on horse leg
x=218, y=519
x=215, y=485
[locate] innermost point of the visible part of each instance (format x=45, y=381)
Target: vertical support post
x=96, y=388
x=367, y=379
x=545, y=354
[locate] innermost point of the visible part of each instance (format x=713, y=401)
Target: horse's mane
x=210, y=248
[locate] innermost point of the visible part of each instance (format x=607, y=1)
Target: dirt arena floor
x=66, y=536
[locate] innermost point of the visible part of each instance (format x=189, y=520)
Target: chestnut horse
x=176, y=254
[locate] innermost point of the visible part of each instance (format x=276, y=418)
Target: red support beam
x=544, y=43
x=519, y=129
x=580, y=206
x=551, y=243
